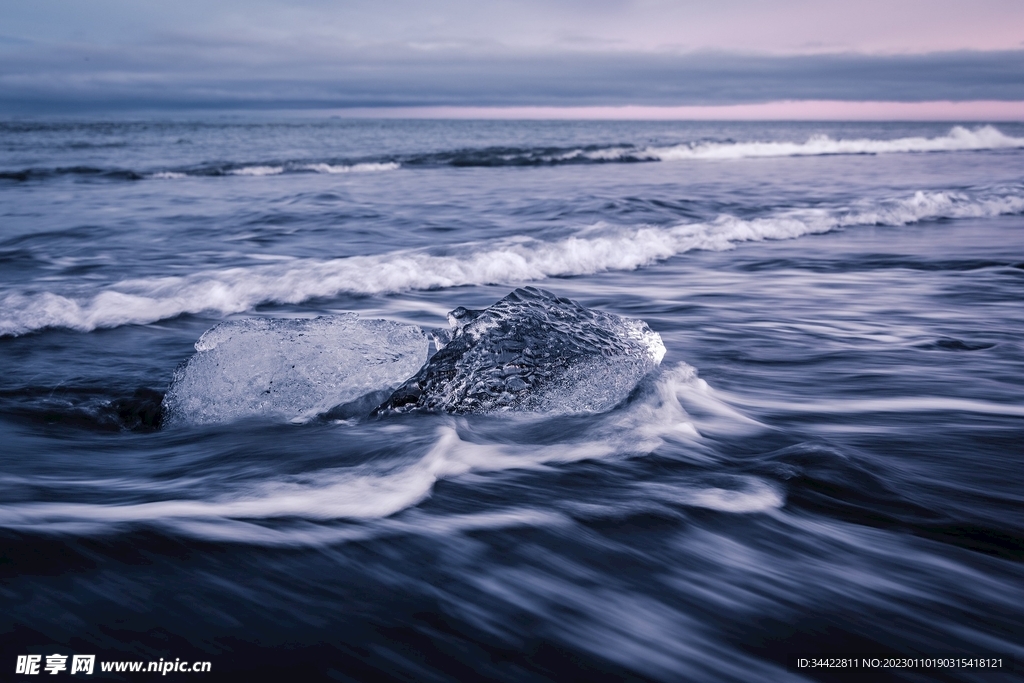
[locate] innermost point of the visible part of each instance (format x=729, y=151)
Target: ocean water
x=828, y=459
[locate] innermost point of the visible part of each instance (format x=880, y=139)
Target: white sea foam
x=616, y=153
x=258, y=170
x=354, y=168
x=278, y=170
x=746, y=494
x=509, y=261
x=680, y=406
x=379, y=489
x=604, y=154
x=362, y=492
x=957, y=140
x=906, y=404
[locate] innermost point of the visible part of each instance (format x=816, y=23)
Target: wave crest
x=600, y=249
x=959, y=139
x=352, y=168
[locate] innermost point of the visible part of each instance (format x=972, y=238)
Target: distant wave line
x=958, y=139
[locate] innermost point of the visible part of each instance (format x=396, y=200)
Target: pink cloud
x=806, y=110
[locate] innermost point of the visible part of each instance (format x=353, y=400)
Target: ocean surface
x=828, y=459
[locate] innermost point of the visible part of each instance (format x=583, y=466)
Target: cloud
x=69, y=56
x=237, y=74
x=777, y=27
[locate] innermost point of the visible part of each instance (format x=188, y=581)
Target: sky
x=597, y=58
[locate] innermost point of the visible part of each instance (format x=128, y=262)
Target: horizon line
x=783, y=110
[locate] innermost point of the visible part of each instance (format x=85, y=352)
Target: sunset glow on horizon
x=805, y=110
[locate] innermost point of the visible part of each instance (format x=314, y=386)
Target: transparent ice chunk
x=290, y=369
x=535, y=352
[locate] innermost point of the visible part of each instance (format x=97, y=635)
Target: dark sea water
x=828, y=459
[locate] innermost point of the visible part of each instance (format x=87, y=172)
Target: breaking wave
x=353, y=168
x=959, y=139
x=506, y=261
x=315, y=168
x=278, y=169
x=257, y=170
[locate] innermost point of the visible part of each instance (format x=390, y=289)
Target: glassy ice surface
x=534, y=352
x=290, y=368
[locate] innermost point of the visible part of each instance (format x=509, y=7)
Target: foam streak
x=235, y=290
